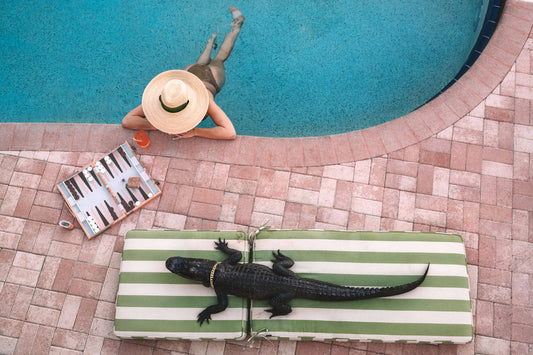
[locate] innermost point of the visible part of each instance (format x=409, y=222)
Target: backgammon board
x=98, y=196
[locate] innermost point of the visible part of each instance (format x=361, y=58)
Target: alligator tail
x=359, y=293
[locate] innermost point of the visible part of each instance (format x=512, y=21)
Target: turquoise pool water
x=299, y=68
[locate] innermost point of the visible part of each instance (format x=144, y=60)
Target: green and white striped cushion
x=438, y=311
x=154, y=303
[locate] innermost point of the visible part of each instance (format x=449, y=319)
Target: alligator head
x=190, y=268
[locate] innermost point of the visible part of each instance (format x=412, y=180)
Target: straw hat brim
x=175, y=122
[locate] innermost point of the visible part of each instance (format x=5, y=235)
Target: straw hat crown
x=175, y=95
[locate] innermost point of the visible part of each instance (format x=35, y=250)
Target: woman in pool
x=176, y=101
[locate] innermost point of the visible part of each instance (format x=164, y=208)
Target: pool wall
x=456, y=102
x=494, y=11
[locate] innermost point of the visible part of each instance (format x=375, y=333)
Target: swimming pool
x=298, y=68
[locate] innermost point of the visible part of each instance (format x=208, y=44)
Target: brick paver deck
x=463, y=164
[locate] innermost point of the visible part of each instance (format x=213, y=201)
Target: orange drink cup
x=141, y=137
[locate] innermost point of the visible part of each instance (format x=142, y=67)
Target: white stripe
x=378, y=246
x=178, y=244
x=199, y=290
x=364, y=315
x=322, y=267
x=143, y=266
x=369, y=337
x=435, y=293
x=156, y=313
x=237, y=335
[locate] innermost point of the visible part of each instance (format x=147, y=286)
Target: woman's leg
x=217, y=64
x=229, y=40
x=205, y=57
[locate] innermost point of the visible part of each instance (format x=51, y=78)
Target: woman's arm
x=223, y=130
x=135, y=119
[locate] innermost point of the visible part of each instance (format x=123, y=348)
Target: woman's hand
x=188, y=134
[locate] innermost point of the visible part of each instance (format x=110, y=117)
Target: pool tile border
x=461, y=98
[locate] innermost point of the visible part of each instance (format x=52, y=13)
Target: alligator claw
x=274, y=314
x=204, y=316
x=281, y=311
x=221, y=244
x=270, y=310
x=278, y=256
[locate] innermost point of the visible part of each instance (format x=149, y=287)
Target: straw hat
x=175, y=101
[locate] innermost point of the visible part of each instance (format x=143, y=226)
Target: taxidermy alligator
x=259, y=282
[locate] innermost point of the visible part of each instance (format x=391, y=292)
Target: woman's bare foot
x=213, y=40
x=237, y=16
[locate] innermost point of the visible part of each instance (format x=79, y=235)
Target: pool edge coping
x=490, y=69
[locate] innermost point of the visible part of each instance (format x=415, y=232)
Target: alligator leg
x=280, y=304
x=234, y=255
x=281, y=265
x=222, y=304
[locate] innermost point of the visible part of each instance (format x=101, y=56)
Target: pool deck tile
x=341, y=146
x=373, y=141
x=475, y=85
x=357, y=145
x=436, y=117
x=463, y=163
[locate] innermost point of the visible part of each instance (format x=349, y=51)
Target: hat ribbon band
x=173, y=109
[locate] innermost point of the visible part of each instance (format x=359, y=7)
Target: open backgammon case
x=107, y=190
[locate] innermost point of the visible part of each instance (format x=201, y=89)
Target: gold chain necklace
x=212, y=275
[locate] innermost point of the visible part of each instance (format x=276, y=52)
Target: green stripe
x=389, y=304
x=178, y=234
x=359, y=235
x=335, y=327
x=176, y=301
x=162, y=255
x=180, y=326
x=365, y=257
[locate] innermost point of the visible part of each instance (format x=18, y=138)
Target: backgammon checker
x=101, y=195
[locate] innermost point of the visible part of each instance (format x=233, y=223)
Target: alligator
x=259, y=282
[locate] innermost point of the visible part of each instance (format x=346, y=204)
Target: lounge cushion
x=437, y=312
x=154, y=303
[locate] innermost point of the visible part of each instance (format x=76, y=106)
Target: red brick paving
x=462, y=164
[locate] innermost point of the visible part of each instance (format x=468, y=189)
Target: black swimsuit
x=204, y=73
